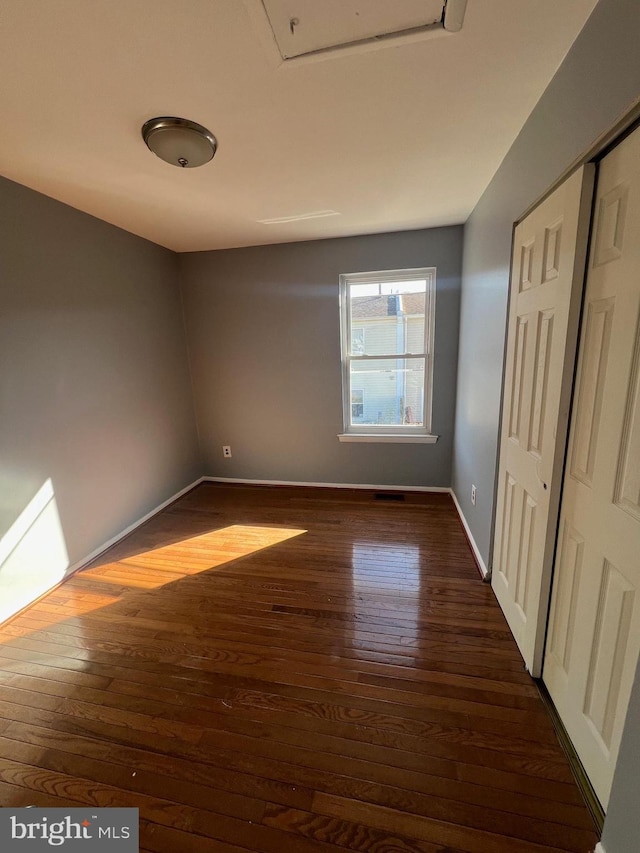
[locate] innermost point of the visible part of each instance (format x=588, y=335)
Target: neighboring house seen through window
x=357, y=405
x=387, y=323
x=357, y=340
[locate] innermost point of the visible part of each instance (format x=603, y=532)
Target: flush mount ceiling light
x=179, y=141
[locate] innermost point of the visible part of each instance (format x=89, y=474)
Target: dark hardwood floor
x=286, y=669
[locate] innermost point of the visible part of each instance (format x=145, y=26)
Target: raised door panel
x=540, y=391
x=627, y=490
x=595, y=354
x=608, y=650
x=563, y=612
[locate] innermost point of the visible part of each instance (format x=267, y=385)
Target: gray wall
x=598, y=81
x=94, y=385
x=264, y=339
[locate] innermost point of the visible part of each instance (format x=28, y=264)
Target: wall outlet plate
x=473, y=495
x=226, y=451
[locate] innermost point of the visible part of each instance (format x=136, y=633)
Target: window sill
x=389, y=438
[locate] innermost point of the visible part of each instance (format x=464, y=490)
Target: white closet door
x=547, y=272
x=594, y=635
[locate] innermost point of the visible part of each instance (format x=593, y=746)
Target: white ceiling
x=403, y=135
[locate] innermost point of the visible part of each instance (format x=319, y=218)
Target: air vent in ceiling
x=303, y=27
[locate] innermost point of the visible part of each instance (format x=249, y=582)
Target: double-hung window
x=387, y=323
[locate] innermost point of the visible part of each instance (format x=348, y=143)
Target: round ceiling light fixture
x=179, y=141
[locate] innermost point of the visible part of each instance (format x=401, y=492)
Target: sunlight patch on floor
x=149, y=570
x=192, y=555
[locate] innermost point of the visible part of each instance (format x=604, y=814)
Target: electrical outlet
x=473, y=494
x=226, y=451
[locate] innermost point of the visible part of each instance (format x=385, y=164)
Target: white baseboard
x=600, y=848
x=382, y=488
x=476, y=551
x=119, y=536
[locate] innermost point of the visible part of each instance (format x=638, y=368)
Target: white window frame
x=396, y=432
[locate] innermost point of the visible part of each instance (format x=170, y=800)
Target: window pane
x=388, y=392
x=357, y=405
x=357, y=340
x=387, y=317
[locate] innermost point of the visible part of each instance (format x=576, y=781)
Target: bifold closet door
x=594, y=631
x=547, y=274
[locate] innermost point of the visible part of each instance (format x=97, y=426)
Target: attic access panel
x=308, y=26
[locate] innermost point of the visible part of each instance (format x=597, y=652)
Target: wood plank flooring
x=286, y=669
